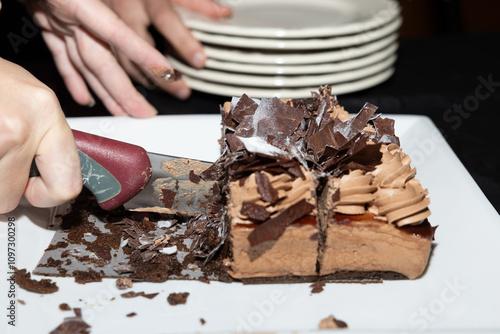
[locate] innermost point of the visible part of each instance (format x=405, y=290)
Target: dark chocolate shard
x=265, y=188
x=213, y=173
x=234, y=143
x=273, y=228
x=255, y=211
x=193, y=177
x=245, y=107
x=168, y=197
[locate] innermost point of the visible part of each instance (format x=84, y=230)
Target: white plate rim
x=298, y=58
x=298, y=92
x=385, y=11
x=280, y=69
x=282, y=80
x=297, y=44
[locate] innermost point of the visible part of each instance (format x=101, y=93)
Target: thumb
x=59, y=165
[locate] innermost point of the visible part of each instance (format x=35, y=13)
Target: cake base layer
x=374, y=246
x=295, y=253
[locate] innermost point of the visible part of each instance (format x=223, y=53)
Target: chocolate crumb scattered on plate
x=22, y=302
x=202, y=321
x=332, y=323
x=132, y=314
x=73, y=325
x=317, y=286
x=177, y=298
x=64, y=307
x=133, y=294
x=124, y=283
x=24, y=281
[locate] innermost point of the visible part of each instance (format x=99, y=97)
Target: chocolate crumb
x=331, y=323
x=202, y=321
x=73, y=325
x=24, y=280
x=130, y=315
x=177, y=298
x=124, y=283
x=168, y=197
x=22, y=302
x=64, y=307
x=133, y=294
x=317, y=287
x=193, y=177
x=89, y=276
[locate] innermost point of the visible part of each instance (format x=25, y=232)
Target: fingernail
x=198, y=60
x=171, y=75
x=91, y=103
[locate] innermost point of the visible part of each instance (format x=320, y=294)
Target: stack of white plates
x=288, y=48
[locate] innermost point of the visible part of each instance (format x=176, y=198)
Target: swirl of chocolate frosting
x=399, y=198
x=355, y=191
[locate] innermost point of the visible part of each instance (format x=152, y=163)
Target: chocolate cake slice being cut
x=313, y=192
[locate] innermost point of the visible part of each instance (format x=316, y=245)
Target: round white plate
x=273, y=69
x=282, y=81
x=299, y=92
x=300, y=57
x=295, y=18
x=299, y=44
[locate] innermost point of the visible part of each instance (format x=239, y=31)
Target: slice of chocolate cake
x=312, y=192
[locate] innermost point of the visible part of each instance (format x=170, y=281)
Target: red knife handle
x=113, y=171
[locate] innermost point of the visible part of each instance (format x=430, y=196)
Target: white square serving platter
x=460, y=291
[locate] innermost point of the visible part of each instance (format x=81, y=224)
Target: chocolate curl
x=273, y=228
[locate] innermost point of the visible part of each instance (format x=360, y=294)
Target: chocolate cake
x=302, y=192
x=313, y=192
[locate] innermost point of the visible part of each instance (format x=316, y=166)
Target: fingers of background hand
x=59, y=166
x=208, y=7
x=99, y=60
x=170, y=25
x=72, y=78
x=113, y=107
x=108, y=27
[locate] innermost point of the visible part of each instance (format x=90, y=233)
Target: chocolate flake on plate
x=24, y=281
x=177, y=298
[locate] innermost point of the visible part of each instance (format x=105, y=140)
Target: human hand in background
x=33, y=126
x=139, y=15
x=83, y=36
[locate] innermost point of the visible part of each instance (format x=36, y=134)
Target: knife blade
x=120, y=173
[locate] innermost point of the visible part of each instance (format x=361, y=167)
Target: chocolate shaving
x=130, y=315
x=168, y=197
x=265, y=188
x=255, y=211
x=273, y=228
x=193, y=177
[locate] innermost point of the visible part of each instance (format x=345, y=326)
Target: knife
x=119, y=173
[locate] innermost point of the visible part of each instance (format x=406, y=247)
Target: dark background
x=447, y=49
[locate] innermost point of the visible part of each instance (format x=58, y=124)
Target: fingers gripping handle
x=113, y=171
